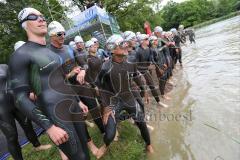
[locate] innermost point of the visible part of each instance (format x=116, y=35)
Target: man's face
x=158, y=34
x=121, y=49
x=170, y=35
x=38, y=26
x=80, y=45
x=155, y=42
x=58, y=38
x=133, y=43
x=96, y=44
x=93, y=49
x=145, y=42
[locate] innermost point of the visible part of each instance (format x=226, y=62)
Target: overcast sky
x=164, y=2
x=66, y=3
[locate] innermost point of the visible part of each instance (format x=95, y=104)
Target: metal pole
x=103, y=30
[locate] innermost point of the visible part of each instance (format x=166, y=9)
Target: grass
x=233, y=14
x=129, y=147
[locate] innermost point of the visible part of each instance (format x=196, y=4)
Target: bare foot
x=89, y=124
x=43, y=147
x=131, y=120
x=166, y=97
x=147, y=117
x=102, y=150
x=116, y=136
x=63, y=156
x=149, y=149
x=150, y=127
x=161, y=104
x=93, y=148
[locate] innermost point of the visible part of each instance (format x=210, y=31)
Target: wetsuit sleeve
x=137, y=78
x=181, y=40
x=81, y=60
x=104, y=84
x=141, y=64
x=19, y=83
x=137, y=56
x=177, y=40
x=153, y=56
x=89, y=77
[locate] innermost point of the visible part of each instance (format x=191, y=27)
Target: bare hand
x=32, y=96
x=106, y=113
x=151, y=67
x=75, y=70
x=80, y=76
x=57, y=135
x=177, y=50
x=97, y=91
x=146, y=98
x=165, y=67
x=83, y=107
x=106, y=59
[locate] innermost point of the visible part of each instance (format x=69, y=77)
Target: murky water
x=203, y=120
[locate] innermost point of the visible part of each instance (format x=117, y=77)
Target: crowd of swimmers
x=57, y=85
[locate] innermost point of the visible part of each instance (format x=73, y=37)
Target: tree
x=193, y=12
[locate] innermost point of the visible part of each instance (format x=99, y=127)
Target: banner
x=88, y=18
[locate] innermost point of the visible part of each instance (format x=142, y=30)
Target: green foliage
x=130, y=14
x=10, y=29
x=193, y=12
x=129, y=147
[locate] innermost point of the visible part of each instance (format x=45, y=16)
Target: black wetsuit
x=94, y=67
x=101, y=53
x=182, y=35
x=81, y=56
x=69, y=62
x=8, y=114
x=115, y=84
x=35, y=67
x=191, y=35
x=144, y=57
x=169, y=61
x=177, y=41
x=70, y=58
x=172, y=51
x=167, y=53
x=161, y=71
x=131, y=57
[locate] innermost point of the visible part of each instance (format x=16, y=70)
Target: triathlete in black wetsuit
x=8, y=114
x=94, y=67
x=35, y=67
x=80, y=49
x=144, y=58
x=172, y=47
x=177, y=39
x=114, y=80
x=70, y=63
x=163, y=45
x=161, y=64
x=191, y=34
x=101, y=53
x=131, y=39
